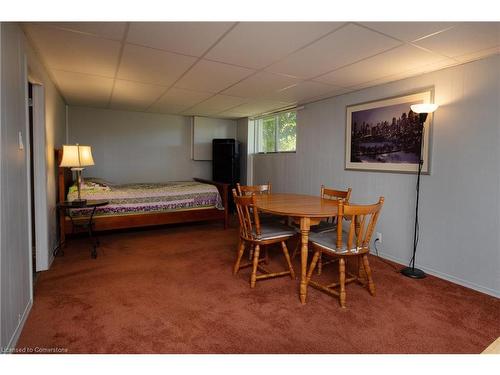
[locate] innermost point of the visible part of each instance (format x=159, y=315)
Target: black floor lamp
x=423, y=110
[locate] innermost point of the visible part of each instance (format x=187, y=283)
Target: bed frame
x=65, y=180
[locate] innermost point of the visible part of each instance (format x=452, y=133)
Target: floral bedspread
x=147, y=197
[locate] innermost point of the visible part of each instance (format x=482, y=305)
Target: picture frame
x=383, y=135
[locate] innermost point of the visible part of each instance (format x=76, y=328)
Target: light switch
x=21, y=144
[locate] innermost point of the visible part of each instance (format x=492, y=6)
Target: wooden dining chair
x=264, y=217
x=255, y=235
x=327, y=193
x=253, y=189
x=329, y=224
x=353, y=243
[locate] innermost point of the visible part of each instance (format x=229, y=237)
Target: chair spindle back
x=253, y=189
x=248, y=215
x=363, y=219
x=328, y=193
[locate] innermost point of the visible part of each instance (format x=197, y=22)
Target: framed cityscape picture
x=384, y=135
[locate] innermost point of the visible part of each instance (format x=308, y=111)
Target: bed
x=142, y=204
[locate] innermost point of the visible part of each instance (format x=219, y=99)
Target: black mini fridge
x=226, y=160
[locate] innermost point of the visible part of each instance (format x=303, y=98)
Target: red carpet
x=171, y=290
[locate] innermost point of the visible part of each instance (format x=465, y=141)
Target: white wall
x=15, y=231
x=246, y=136
x=460, y=206
x=205, y=129
x=15, y=226
x=1, y=190
x=136, y=146
x=242, y=137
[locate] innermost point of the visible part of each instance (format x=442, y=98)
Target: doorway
x=38, y=177
x=32, y=179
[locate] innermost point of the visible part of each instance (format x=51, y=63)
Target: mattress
x=144, y=198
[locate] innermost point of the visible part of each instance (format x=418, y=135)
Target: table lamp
x=422, y=110
x=76, y=157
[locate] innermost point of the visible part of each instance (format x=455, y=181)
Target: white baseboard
x=442, y=275
x=15, y=336
x=17, y=332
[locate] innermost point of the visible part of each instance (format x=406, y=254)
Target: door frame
x=38, y=148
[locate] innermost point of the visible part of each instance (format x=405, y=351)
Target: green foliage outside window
x=277, y=133
x=287, y=131
x=268, y=134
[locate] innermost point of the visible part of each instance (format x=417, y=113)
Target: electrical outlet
x=378, y=237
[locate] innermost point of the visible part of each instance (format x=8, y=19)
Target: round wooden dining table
x=304, y=209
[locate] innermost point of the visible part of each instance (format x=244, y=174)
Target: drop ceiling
x=239, y=69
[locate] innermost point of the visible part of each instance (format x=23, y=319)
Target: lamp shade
x=424, y=108
x=76, y=156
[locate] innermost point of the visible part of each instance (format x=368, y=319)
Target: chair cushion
x=270, y=230
x=328, y=241
x=324, y=226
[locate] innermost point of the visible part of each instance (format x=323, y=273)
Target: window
x=277, y=133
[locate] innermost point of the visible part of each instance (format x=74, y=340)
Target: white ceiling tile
x=407, y=74
x=176, y=100
x=409, y=31
x=306, y=90
x=190, y=38
x=228, y=116
x=259, y=106
x=149, y=65
x=463, y=39
x=379, y=81
x=134, y=96
x=231, y=114
x=215, y=104
x=83, y=57
x=346, y=45
x=478, y=54
x=74, y=52
x=260, y=85
x=337, y=92
x=212, y=76
x=258, y=44
x=437, y=65
x=110, y=30
x=84, y=89
x=392, y=62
